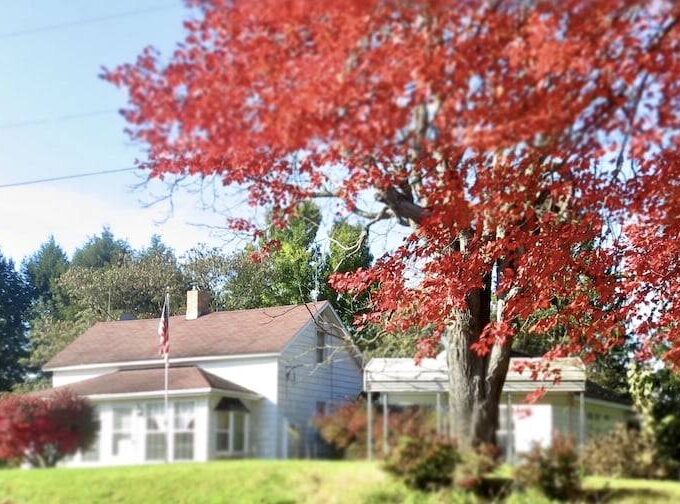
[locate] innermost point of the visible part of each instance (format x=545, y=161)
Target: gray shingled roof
x=261, y=330
x=152, y=380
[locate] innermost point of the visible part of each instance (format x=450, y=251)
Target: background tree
x=348, y=252
x=295, y=258
x=43, y=430
x=49, y=335
x=656, y=394
x=282, y=268
x=503, y=134
x=101, y=251
x=14, y=304
x=43, y=268
x=135, y=285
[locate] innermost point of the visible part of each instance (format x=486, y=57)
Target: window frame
x=183, y=431
x=320, y=346
x=162, y=431
x=230, y=452
x=126, y=434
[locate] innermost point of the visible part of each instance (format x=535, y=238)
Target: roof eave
x=172, y=393
x=157, y=362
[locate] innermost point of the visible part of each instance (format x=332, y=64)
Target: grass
x=257, y=481
x=628, y=491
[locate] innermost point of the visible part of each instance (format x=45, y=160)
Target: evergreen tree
x=101, y=251
x=14, y=303
x=43, y=268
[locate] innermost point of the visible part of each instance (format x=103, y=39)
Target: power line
x=65, y=177
x=48, y=120
x=86, y=21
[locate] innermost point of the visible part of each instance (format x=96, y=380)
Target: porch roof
x=431, y=375
x=151, y=382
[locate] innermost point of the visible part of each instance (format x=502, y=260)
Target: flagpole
x=167, y=405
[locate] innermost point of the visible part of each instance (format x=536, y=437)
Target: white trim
x=346, y=339
x=609, y=404
x=172, y=393
x=156, y=362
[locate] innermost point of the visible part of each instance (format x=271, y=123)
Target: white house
x=241, y=383
x=572, y=406
x=249, y=383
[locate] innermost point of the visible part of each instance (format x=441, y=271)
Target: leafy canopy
x=519, y=140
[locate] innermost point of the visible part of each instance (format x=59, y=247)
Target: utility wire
x=64, y=177
x=86, y=21
x=48, y=120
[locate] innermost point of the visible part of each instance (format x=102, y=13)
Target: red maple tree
x=524, y=144
x=43, y=430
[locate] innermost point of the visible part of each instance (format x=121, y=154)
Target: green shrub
x=475, y=466
x=625, y=453
x=554, y=470
x=656, y=394
x=424, y=463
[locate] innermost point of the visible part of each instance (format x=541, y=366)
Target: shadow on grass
x=607, y=494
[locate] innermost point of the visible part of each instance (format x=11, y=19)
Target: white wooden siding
x=261, y=376
x=303, y=383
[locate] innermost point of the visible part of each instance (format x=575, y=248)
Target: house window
x=156, y=438
x=122, y=430
x=223, y=431
x=232, y=427
x=184, y=431
x=239, y=440
x=320, y=346
x=91, y=454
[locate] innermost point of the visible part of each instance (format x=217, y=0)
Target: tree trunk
x=475, y=383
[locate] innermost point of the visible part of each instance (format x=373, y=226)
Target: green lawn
x=266, y=482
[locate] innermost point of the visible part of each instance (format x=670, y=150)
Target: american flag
x=164, y=328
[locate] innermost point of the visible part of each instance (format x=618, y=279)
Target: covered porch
x=389, y=383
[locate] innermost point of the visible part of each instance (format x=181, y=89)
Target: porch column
x=369, y=434
x=439, y=413
x=582, y=419
x=509, y=429
x=386, y=413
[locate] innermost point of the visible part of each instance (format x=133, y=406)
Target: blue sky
x=51, y=74
x=51, y=53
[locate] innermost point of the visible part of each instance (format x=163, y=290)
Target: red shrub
x=347, y=426
x=43, y=430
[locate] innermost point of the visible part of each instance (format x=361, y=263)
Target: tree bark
x=475, y=382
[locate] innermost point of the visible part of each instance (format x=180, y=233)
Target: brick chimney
x=198, y=303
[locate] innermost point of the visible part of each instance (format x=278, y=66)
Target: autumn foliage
x=43, y=430
x=346, y=427
x=530, y=148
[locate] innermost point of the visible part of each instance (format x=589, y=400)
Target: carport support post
x=369, y=434
x=582, y=419
x=439, y=413
x=509, y=429
x=385, y=423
